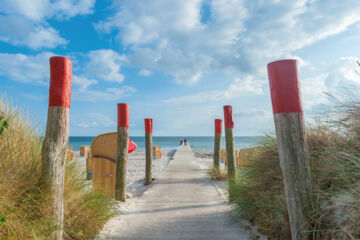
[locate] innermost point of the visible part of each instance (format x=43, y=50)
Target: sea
x=198, y=144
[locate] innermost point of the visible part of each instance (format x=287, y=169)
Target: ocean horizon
x=198, y=143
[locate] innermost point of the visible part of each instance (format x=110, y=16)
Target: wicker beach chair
x=103, y=154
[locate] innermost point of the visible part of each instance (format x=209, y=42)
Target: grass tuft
x=334, y=154
x=25, y=200
x=217, y=173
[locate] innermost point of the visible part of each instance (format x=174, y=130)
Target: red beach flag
x=132, y=146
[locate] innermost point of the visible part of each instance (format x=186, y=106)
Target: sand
x=136, y=187
x=136, y=169
x=205, y=161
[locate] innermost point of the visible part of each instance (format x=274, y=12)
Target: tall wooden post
x=56, y=137
x=229, y=137
x=290, y=131
x=217, y=142
x=148, y=147
x=122, y=151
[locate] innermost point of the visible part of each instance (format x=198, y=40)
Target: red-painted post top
x=60, y=82
x=148, y=125
x=123, y=115
x=228, y=117
x=218, y=126
x=284, y=81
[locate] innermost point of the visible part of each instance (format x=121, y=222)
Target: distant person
x=185, y=141
x=181, y=142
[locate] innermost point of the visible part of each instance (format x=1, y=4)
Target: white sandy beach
x=136, y=187
x=136, y=169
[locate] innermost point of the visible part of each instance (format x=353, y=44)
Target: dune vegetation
x=217, y=173
x=334, y=152
x=25, y=199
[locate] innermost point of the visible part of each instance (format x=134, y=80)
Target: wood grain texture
x=121, y=163
x=148, y=155
x=294, y=164
x=217, y=150
x=54, y=158
x=230, y=151
x=97, y=172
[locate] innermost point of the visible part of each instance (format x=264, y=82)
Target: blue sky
x=178, y=62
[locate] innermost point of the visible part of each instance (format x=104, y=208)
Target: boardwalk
x=182, y=204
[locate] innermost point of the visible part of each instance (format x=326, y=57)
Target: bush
x=25, y=201
x=334, y=151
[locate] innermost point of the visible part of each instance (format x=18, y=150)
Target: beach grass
x=217, y=173
x=25, y=200
x=334, y=153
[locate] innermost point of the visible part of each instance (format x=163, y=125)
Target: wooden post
x=56, y=137
x=290, y=131
x=122, y=151
x=229, y=137
x=217, y=142
x=148, y=146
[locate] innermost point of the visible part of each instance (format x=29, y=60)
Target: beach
x=136, y=188
x=136, y=169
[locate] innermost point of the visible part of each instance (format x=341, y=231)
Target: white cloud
x=350, y=69
x=109, y=94
x=95, y=120
x=105, y=64
x=83, y=125
x=103, y=119
x=241, y=36
x=252, y=113
x=339, y=76
x=313, y=91
x=247, y=85
x=24, y=23
x=145, y=72
x=32, y=69
x=35, y=69
x=83, y=82
x=239, y=87
x=37, y=10
x=42, y=38
x=342, y=74
x=71, y=8
x=20, y=32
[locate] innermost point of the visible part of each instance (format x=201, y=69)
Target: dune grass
x=25, y=200
x=334, y=150
x=217, y=173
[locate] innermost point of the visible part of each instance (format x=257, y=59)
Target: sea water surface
x=199, y=144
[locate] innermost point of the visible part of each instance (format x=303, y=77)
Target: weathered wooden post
x=122, y=151
x=229, y=137
x=290, y=131
x=217, y=142
x=56, y=137
x=148, y=147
